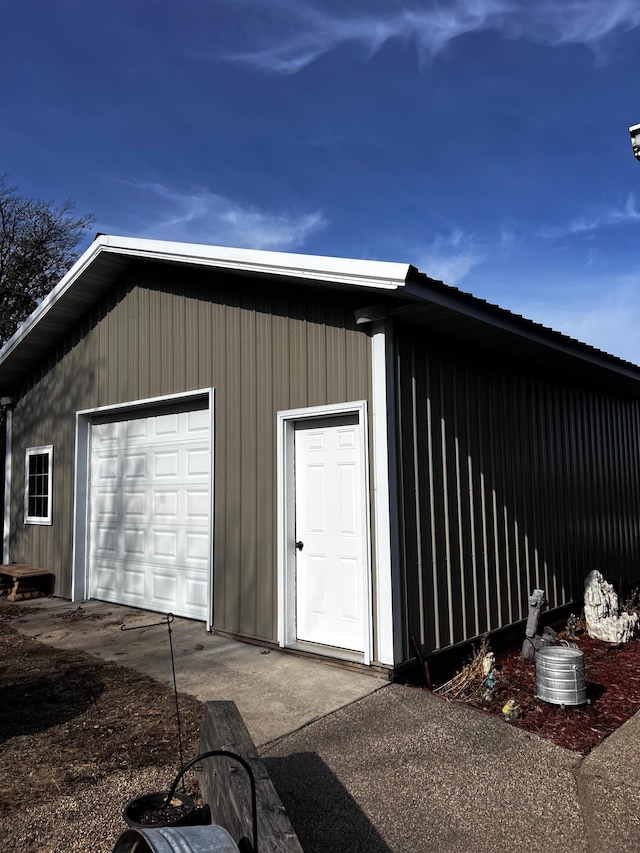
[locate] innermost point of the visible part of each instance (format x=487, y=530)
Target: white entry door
x=329, y=519
x=149, y=511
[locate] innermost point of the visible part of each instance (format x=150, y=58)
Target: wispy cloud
x=606, y=318
x=449, y=258
x=305, y=32
x=595, y=219
x=203, y=216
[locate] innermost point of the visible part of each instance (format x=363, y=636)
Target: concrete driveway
x=362, y=765
x=276, y=692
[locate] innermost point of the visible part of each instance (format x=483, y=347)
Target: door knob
x=299, y=545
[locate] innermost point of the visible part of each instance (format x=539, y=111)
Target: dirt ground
x=79, y=737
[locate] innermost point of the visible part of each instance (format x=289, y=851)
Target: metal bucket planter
x=135, y=817
x=560, y=676
x=159, y=804
x=176, y=839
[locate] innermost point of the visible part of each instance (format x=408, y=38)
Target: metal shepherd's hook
x=168, y=619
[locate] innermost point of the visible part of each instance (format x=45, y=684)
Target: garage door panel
x=165, y=505
x=133, y=581
x=197, y=462
x=197, y=549
x=150, y=507
x=135, y=465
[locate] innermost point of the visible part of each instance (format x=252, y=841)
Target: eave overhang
x=409, y=296
x=108, y=257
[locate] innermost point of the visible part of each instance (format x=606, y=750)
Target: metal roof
x=411, y=297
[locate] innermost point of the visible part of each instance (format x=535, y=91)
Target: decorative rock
x=534, y=641
x=602, y=613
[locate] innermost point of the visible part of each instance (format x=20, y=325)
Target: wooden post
x=225, y=784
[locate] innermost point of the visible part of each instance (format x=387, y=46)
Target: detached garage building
x=328, y=454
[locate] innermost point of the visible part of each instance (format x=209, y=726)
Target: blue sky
x=484, y=141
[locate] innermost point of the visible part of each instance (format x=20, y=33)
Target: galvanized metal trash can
x=560, y=676
x=176, y=839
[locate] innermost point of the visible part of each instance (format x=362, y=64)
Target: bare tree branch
x=38, y=243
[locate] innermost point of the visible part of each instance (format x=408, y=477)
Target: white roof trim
x=378, y=275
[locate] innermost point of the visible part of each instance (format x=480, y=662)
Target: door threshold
x=327, y=651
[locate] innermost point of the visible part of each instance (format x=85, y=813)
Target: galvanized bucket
x=176, y=839
x=560, y=676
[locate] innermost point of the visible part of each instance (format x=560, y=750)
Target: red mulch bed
x=613, y=691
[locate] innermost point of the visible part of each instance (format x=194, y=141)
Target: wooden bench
x=225, y=785
x=20, y=582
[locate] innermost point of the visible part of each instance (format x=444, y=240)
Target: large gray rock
x=602, y=612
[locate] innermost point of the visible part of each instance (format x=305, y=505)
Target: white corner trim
x=286, y=421
x=8, y=460
x=386, y=544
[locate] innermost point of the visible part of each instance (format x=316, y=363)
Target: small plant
x=471, y=682
x=632, y=603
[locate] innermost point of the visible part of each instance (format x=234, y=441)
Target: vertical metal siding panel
x=358, y=366
x=487, y=555
x=554, y=557
x=474, y=498
x=511, y=464
x=248, y=466
x=231, y=510
x=297, y=367
x=179, y=341
x=217, y=322
x=336, y=352
x=625, y=475
x=437, y=488
x=457, y=617
x=460, y=403
x=417, y=419
x=506, y=462
x=493, y=514
x=143, y=305
x=156, y=342
x=281, y=360
x=191, y=345
x=409, y=514
x=633, y=482
x=570, y=502
x=265, y=523
x=316, y=350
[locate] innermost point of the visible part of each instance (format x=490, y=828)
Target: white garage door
x=149, y=507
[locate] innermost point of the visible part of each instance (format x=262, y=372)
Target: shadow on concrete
x=324, y=814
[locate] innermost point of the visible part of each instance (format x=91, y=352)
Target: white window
x=38, y=480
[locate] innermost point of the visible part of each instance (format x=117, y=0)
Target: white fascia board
x=384, y=275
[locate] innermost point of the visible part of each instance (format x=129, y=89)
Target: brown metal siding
x=262, y=348
x=510, y=480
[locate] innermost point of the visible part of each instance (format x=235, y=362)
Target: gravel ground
x=79, y=738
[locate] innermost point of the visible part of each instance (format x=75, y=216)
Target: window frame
x=44, y=450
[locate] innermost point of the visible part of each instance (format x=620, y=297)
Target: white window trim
x=47, y=450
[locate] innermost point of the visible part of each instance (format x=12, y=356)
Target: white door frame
x=286, y=517
x=80, y=580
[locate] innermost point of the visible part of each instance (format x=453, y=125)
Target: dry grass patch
x=77, y=736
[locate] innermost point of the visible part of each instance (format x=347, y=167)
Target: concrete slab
x=609, y=790
x=362, y=765
x=402, y=770
x=276, y=692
